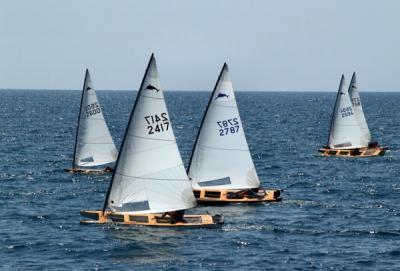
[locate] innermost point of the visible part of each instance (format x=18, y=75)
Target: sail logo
x=88, y=88
x=220, y=95
x=151, y=87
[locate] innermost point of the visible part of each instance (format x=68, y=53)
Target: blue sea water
x=336, y=213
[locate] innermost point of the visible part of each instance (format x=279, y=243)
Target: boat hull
x=226, y=196
x=154, y=220
x=362, y=152
x=89, y=170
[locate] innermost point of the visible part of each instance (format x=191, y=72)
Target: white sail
x=356, y=101
x=150, y=176
x=94, y=144
x=345, y=132
x=221, y=158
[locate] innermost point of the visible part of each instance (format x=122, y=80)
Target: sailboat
x=94, y=147
x=349, y=134
x=221, y=167
x=149, y=185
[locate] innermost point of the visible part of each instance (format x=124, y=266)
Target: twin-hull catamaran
x=94, y=147
x=150, y=185
x=221, y=168
x=349, y=134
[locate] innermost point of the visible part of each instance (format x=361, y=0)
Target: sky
x=269, y=45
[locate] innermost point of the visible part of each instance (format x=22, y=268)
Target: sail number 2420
x=157, y=123
x=229, y=126
x=92, y=109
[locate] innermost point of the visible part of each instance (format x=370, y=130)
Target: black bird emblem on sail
x=88, y=88
x=220, y=95
x=151, y=87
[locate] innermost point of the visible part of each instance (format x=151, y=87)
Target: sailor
x=175, y=216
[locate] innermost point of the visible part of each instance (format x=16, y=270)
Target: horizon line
x=191, y=90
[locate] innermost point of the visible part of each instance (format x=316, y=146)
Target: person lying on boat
x=175, y=216
x=249, y=193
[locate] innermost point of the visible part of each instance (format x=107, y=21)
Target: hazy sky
x=268, y=44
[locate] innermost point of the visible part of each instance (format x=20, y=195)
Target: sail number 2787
x=229, y=126
x=157, y=123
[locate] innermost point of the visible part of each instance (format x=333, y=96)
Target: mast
x=204, y=116
x=334, y=108
x=79, y=118
x=126, y=132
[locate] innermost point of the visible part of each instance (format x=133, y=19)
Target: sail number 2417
x=229, y=126
x=157, y=123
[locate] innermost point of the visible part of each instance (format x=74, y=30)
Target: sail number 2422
x=229, y=126
x=157, y=123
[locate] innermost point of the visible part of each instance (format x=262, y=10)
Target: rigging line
x=226, y=106
x=127, y=128
x=217, y=148
x=90, y=119
x=87, y=164
x=335, y=109
x=210, y=101
x=79, y=116
x=154, y=172
x=156, y=148
x=149, y=178
x=88, y=143
x=168, y=192
x=157, y=139
x=145, y=96
x=102, y=137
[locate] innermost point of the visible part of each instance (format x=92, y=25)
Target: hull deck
x=88, y=170
x=362, y=152
x=226, y=196
x=155, y=220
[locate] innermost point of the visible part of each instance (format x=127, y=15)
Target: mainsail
x=345, y=132
x=150, y=176
x=221, y=158
x=94, y=145
x=356, y=101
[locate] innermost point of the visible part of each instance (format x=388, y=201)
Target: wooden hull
x=154, y=220
x=226, y=196
x=89, y=170
x=362, y=152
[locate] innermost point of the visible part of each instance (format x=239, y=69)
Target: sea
x=336, y=213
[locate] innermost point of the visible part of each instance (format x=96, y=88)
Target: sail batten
x=149, y=173
x=93, y=139
x=221, y=157
x=345, y=131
